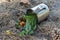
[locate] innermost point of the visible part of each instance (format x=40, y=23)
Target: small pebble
x=8, y=32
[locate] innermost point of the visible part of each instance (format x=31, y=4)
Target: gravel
x=47, y=30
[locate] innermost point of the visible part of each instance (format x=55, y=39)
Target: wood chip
x=24, y=2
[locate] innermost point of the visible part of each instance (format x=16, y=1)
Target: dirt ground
x=47, y=30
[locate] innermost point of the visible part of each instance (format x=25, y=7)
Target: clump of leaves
x=30, y=24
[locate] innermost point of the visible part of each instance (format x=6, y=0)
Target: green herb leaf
x=31, y=22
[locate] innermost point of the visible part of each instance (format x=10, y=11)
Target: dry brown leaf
x=25, y=1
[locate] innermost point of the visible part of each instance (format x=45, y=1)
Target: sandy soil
x=47, y=30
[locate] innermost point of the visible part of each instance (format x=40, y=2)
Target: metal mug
x=41, y=10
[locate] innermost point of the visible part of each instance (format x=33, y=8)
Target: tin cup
x=41, y=10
